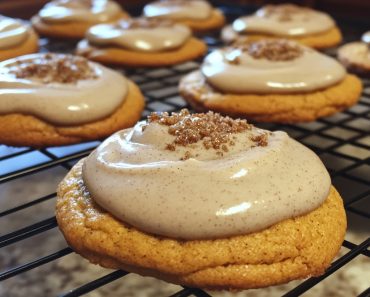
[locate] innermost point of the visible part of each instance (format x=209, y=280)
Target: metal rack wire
x=342, y=141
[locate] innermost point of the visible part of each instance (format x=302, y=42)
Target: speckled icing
x=61, y=103
x=158, y=37
x=178, y=9
x=284, y=20
x=249, y=188
x=12, y=32
x=79, y=10
x=309, y=72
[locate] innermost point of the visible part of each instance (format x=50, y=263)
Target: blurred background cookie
x=141, y=42
x=56, y=99
x=71, y=18
x=199, y=15
x=271, y=81
x=356, y=55
x=16, y=38
x=310, y=27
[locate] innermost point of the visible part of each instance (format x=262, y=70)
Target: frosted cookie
x=55, y=99
x=199, y=15
x=356, y=55
x=272, y=80
x=192, y=199
x=71, y=18
x=16, y=38
x=141, y=42
x=310, y=27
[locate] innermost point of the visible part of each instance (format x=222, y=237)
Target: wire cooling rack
x=342, y=141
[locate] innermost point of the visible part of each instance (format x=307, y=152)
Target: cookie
x=16, y=39
x=141, y=42
x=197, y=15
x=309, y=27
x=205, y=256
x=263, y=83
x=355, y=56
x=41, y=123
x=77, y=17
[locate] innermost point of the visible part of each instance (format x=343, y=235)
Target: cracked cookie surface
x=292, y=249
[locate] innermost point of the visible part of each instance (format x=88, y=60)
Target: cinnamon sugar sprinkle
x=284, y=12
x=54, y=68
x=270, y=49
x=211, y=129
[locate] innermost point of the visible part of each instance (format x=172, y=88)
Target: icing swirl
x=258, y=179
x=61, y=89
x=179, y=9
x=12, y=32
x=284, y=20
x=142, y=34
x=270, y=66
x=95, y=11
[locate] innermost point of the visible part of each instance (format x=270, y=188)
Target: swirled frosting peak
x=141, y=34
x=179, y=9
x=61, y=89
x=94, y=11
x=270, y=66
x=199, y=176
x=12, y=32
x=284, y=20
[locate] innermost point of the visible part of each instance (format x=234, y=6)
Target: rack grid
x=342, y=141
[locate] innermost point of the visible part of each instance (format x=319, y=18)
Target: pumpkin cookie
x=301, y=24
x=139, y=203
x=71, y=19
x=55, y=99
x=199, y=15
x=271, y=81
x=356, y=55
x=16, y=38
x=141, y=42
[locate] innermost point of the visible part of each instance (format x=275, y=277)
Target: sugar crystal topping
x=269, y=49
x=210, y=129
x=54, y=68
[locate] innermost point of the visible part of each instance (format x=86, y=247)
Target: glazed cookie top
x=270, y=66
x=61, y=89
x=199, y=176
x=12, y=32
x=284, y=20
x=179, y=9
x=141, y=34
x=366, y=37
x=95, y=11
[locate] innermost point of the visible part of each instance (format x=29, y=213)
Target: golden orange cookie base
x=292, y=249
x=192, y=49
x=283, y=108
x=27, y=130
x=324, y=40
x=67, y=30
x=29, y=46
